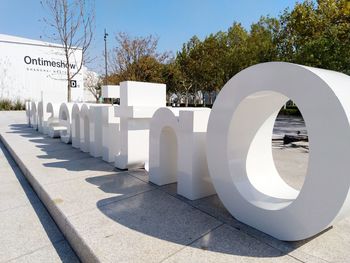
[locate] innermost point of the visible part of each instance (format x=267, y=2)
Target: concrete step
x=27, y=232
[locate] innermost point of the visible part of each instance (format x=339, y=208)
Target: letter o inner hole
x=251, y=162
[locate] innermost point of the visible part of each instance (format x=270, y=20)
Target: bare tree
x=72, y=21
x=137, y=58
x=93, y=83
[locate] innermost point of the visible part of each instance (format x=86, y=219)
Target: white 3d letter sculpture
x=239, y=149
x=28, y=111
x=138, y=102
x=65, y=120
x=110, y=134
x=238, y=144
x=75, y=127
x=43, y=116
x=84, y=128
x=52, y=122
x=34, y=115
x=177, y=151
x=95, y=133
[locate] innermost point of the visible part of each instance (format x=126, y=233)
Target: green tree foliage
x=317, y=34
x=236, y=57
x=314, y=33
x=262, y=40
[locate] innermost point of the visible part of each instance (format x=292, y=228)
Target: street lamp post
x=106, y=67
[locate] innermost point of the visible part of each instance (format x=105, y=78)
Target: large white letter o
x=240, y=156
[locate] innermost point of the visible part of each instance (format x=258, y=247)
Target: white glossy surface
x=134, y=141
x=42, y=117
x=239, y=149
x=110, y=134
x=75, y=127
x=65, y=120
x=84, y=128
x=95, y=124
x=138, y=102
x=110, y=91
x=144, y=94
x=28, y=105
x=34, y=115
x=52, y=110
x=177, y=151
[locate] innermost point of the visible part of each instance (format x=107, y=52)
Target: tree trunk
x=69, y=97
x=195, y=100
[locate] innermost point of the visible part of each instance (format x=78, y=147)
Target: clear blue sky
x=173, y=21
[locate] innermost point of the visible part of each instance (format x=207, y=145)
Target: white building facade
x=35, y=70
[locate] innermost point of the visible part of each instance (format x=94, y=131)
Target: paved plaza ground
x=109, y=215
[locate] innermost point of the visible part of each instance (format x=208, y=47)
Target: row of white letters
x=226, y=150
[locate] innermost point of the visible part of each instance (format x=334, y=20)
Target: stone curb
x=75, y=240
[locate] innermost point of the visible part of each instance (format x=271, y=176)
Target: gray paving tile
x=10, y=175
x=213, y=206
x=15, y=195
x=81, y=194
x=4, y=152
x=145, y=228
x=59, y=252
x=56, y=156
x=332, y=245
x=15, y=118
x=291, y=163
x=6, y=161
x=226, y=244
x=142, y=174
x=300, y=250
x=38, y=145
x=210, y=205
x=61, y=170
x=26, y=229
